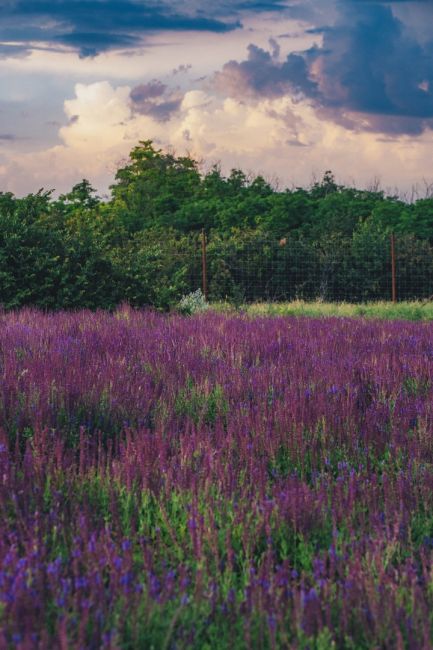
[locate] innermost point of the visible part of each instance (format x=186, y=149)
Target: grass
x=412, y=311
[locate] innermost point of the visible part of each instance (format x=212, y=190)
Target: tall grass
x=414, y=311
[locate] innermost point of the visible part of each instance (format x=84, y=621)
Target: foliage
x=152, y=187
x=327, y=241
x=193, y=303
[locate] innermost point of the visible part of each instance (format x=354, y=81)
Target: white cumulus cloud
x=277, y=137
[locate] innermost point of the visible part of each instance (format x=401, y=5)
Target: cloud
x=155, y=99
x=360, y=98
x=262, y=74
x=370, y=64
x=103, y=127
x=8, y=51
x=94, y=26
x=370, y=72
x=183, y=68
x=275, y=136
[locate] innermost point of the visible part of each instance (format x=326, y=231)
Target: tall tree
x=153, y=186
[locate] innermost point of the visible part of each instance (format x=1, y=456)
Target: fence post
x=393, y=272
x=204, y=263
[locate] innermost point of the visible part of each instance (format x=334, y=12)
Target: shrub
x=192, y=303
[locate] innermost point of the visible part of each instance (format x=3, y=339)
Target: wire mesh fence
x=270, y=269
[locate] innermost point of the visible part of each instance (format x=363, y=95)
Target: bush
x=192, y=303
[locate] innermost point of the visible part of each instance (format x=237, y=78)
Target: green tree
x=82, y=195
x=30, y=252
x=386, y=216
x=288, y=212
x=325, y=187
x=340, y=212
x=417, y=219
x=153, y=186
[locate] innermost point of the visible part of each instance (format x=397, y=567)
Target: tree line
x=143, y=244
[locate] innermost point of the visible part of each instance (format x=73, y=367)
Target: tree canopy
x=142, y=245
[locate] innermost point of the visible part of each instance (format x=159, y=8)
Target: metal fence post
x=393, y=270
x=204, y=263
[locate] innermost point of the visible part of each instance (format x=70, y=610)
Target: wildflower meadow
x=215, y=481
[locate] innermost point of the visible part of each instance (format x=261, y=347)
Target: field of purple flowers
x=215, y=482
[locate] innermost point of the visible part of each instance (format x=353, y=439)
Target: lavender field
x=215, y=482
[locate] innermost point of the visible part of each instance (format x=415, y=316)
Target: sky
x=283, y=88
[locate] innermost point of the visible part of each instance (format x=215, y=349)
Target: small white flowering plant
x=192, y=303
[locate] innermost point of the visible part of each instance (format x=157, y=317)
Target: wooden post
x=204, y=263
x=393, y=271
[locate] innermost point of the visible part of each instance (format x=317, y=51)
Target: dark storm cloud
x=10, y=138
x=262, y=74
x=272, y=5
x=370, y=72
x=94, y=26
x=156, y=100
x=15, y=51
x=371, y=63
